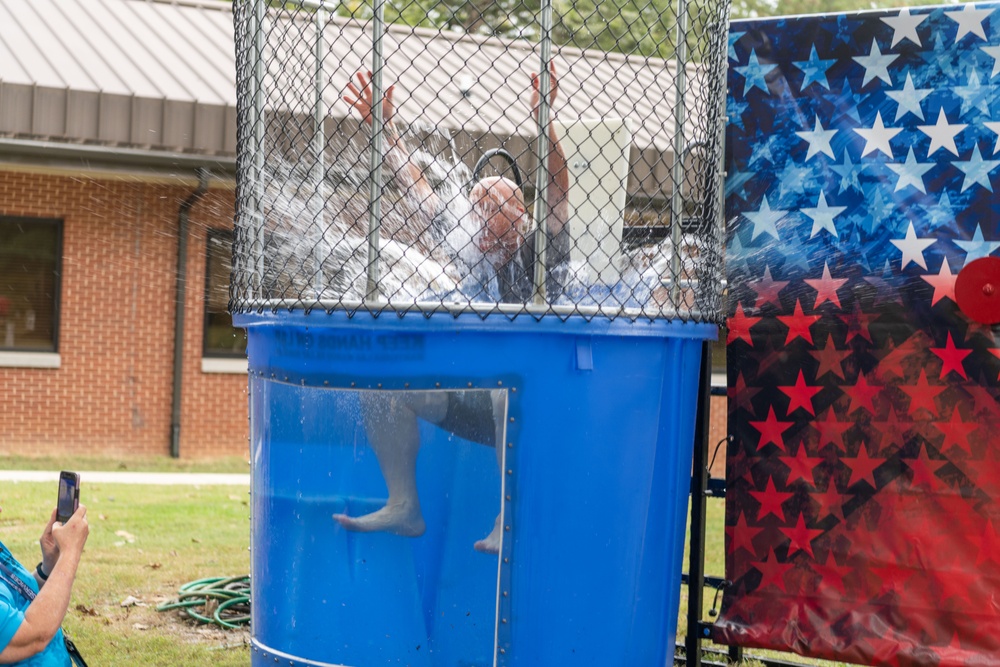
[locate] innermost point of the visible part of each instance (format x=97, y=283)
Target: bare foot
x=402, y=519
x=491, y=543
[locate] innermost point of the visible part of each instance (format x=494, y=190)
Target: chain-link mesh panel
x=528, y=156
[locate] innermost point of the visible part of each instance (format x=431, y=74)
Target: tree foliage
x=635, y=27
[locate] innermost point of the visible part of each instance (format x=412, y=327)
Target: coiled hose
x=222, y=601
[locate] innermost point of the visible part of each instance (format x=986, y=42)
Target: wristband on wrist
x=41, y=573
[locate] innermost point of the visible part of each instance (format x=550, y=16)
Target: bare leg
x=491, y=543
x=391, y=424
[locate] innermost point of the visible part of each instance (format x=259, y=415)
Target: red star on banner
x=954, y=654
x=771, y=430
x=943, y=283
x=778, y=356
x=798, y=324
x=830, y=501
x=739, y=326
x=985, y=400
x=967, y=588
x=922, y=394
x=988, y=545
x=831, y=430
x=863, y=393
x=831, y=360
x=892, y=577
x=770, y=500
x=767, y=289
x=893, y=431
x=801, y=537
x=831, y=577
x=801, y=466
x=893, y=360
x=800, y=395
x=983, y=472
x=857, y=324
x=826, y=287
x=862, y=467
x=956, y=432
x=952, y=357
x=924, y=469
x=974, y=328
x=740, y=395
x=996, y=353
x=772, y=572
x=741, y=536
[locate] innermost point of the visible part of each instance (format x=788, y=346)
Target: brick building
x=117, y=169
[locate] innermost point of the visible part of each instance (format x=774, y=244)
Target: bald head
x=499, y=203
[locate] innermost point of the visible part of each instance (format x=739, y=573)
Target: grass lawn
x=145, y=542
x=231, y=464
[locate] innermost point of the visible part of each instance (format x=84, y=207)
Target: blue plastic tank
x=591, y=489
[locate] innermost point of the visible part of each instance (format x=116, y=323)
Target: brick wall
x=112, y=392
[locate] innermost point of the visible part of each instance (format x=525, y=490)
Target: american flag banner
x=863, y=472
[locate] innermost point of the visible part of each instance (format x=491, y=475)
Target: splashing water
x=316, y=238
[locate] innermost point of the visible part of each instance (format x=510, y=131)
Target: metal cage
x=438, y=198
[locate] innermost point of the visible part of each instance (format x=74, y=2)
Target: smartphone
x=69, y=495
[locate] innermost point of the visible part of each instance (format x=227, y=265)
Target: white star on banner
x=969, y=20
x=765, y=220
x=819, y=140
x=977, y=248
x=876, y=65
x=754, y=74
x=822, y=216
x=909, y=99
x=913, y=248
x=911, y=172
x=904, y=26
x=877, y=137
x=977, y=170
x=993, y=52
x=995, y=127
x=942, y=134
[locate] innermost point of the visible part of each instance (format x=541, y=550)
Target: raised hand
x=360, y=98
x=70, y=537
x=536, y=90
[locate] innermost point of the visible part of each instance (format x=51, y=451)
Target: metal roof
x=119, y=72
x=160, y=75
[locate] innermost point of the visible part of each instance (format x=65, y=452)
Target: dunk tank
x=478, y=256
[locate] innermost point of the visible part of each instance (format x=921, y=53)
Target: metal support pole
x=680, y=148
x=699, y=491
x=256, y=149
x=319, y=148
x=543, y=178
x=376, y=155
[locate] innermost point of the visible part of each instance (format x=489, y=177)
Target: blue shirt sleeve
x=10, y=618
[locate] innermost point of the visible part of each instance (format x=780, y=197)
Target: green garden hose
x=222, y=601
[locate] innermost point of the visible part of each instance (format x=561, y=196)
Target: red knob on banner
x=977, y=290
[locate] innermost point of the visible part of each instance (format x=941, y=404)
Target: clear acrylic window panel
x=383, y=513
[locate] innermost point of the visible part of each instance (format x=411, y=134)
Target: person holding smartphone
x=34, y=603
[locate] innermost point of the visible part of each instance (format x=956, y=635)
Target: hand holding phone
x=69, y=495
